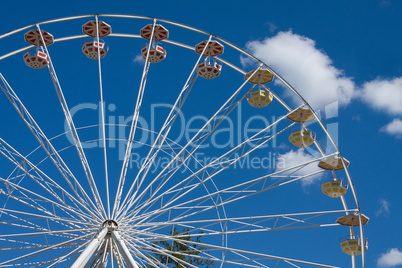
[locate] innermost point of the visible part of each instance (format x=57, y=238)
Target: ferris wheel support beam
x=73, y=130
x=66, y=256
x=90, y=249
x=128, y=259
x=133, y=127
x=160, y=139
x=99, y=255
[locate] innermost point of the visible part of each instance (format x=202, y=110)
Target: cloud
x=384, y=94
x=272, y=27
x=301, y=63
x=294, y=158
x=394, y=128
x=139, y=59
x=392, y=258
x=383, y=208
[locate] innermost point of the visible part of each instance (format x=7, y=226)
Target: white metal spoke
x=217, y=160
x=73, y=129
x=43, y=217
x=219, y=163
x=239, y=251
x=234, y=195
x=43, y=140
x=163, y=133
x=63, y=207
x=16, y=158
x=133, y=127
x=41, y=250
x=244, y=222
x=226, y=108
x=166, y=253
x=102, y=107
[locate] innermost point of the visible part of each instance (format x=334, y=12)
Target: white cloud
x=304, y=66
x=383, y=94
x=139, y=59
x=392, y=258
x=294, y=158
x=394, y=128
x=383, y=208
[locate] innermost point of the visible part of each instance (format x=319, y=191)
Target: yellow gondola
x=334, y=187
x=302, y=138
x=259, y=98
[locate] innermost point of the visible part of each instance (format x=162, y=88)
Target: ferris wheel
x=132, y=141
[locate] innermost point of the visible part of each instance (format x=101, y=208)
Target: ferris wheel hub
x=111, y=224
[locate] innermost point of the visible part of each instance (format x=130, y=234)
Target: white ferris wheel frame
x=94, y=207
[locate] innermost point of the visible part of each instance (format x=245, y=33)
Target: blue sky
x=342, y=52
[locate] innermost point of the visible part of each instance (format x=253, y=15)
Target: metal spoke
x=133, y=126
x=163, y=133
x=44, y=142
x=73, y=129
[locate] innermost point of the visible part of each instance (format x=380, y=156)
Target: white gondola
x=209, y=69
x=36, y=60
x=90, y=49
x=156, y=54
